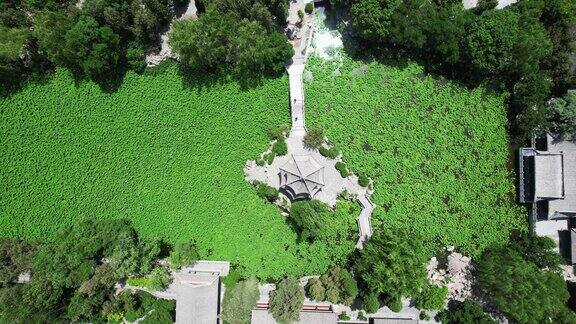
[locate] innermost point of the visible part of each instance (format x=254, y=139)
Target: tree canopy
x=392, y=264
x=506, y=278
x=310, y=217
x=287, y=300
x=239, y=301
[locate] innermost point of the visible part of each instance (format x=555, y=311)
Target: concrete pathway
x=334, y=184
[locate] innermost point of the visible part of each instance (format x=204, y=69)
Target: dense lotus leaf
x=168, y=157
x=437, y=152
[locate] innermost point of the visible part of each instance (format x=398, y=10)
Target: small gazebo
x=301, y=177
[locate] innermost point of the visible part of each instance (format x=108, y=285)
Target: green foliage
x=183, y=254
x=343, y=169
x=340, y=286
x=135, y=58
x=371, y=18
x=432, y=297
x=159, y=161
x=219, y=42
x=265, y=191
x=314, y=137
x=135, y=305
x=539, y=250
x=279, y=147
x=158, y=279
x=363, y=180
x=300, y=14
x=505, y=277
x=239, y=302
x=491, y=40
x=392, y=265
x=16, y=257
x=91, y=48
x=287, y=300
x=309, y=7
x=361, y=316
x=69, y=280
x=344, y=316
x=371, y=304
x=278, y=132
x=310, y=216
x=331, y=153
x=562, y=112
x=437, y=168
x=315, y=289
x=467, y=312
x=394, y=302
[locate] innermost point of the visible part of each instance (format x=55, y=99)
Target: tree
x=371, y=18
x=539, y=250
x=504, y=277
x=467, y=312
x=310, y=217
x=314, y=137
x=340, y=286
x=183, y=254
x=491, y=40
x=239, y=302
x=12, y=46
x=220, y=42
x=392, y=265
x=315, y=289
x=50, y=30
x=287, y=300
x=432, y=297
x=92, y=48
x=265, y=191
x=16, y=257
x=371, y=304
x=562, y=114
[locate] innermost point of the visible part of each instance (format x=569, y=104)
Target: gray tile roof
x=198, y=292
x=393, y=321
x=549, y=182
x=568, y=151
x=197, y=298
x=262, y=316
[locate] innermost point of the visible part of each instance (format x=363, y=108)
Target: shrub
x=157, y=280
x=465, y=312
x=371, y=304
x=300, y=15
x=269, y=157
x=315, y=290
x=278, y=132
x=309, y=7
x=344, y=316
x=265, y=191
x=287, y=300
x=432, y=298
x=239, y=302
x=394, y=303
x=183, y=254
x=340, y=286
x=361, y=316
x=424, y=316
x=363, y=180
x=343, y=169
x=280, y=148
x=310, y=217
x=314, y=138
x=330, y=153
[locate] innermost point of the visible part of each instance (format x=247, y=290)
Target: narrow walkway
x=297, y=107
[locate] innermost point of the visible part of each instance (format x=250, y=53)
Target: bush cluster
x=265, y=191
x=336, y=286
x=331, y=153
x=343, y=169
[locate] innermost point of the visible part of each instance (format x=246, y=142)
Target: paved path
x=297, y=107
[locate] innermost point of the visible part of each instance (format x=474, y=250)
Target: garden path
x=295, y=70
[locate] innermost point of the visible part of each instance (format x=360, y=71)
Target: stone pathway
x=334, y=183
